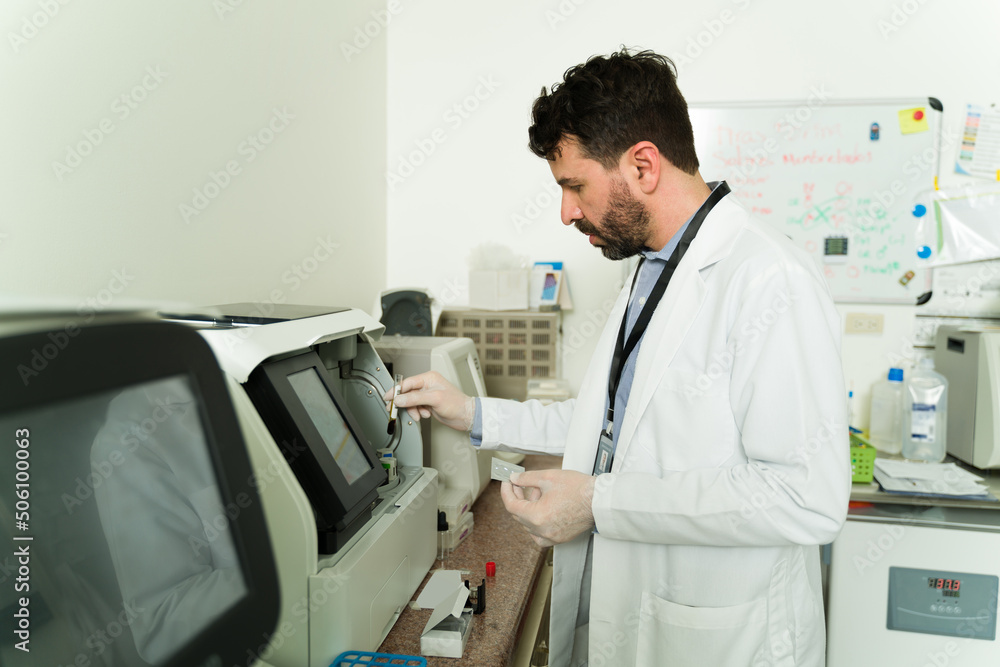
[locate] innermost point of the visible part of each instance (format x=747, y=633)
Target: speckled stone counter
x=496, y=537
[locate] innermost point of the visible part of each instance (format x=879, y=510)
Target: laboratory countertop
x=496, y=537
x=870, y=492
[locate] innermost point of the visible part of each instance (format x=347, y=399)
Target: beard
x=625, y=225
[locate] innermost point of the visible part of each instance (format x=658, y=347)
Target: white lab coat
x=732, y=464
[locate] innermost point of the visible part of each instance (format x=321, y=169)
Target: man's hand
x=430, y=394
x=554, y=505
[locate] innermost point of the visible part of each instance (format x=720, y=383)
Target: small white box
x=448, y=638
x=448, y=628
x=548, y=391
x=499, y=290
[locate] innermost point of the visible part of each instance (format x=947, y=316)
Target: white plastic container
x=548, y=391
x=455, y=535
x=886, y=428
x=454, y=503
x=499, y=290
x=925, y=414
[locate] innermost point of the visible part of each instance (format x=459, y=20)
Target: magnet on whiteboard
x=919, y=211
x=874, y=132
x=835, y=249
x=907, y=277
x=923, y=252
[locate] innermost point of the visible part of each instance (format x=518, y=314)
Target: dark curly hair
x=611, y=103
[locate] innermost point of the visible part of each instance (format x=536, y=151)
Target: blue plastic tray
x=352, y=658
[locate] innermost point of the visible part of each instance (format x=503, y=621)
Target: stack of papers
x=930, y=479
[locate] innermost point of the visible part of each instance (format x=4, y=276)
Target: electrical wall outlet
x=868, y=323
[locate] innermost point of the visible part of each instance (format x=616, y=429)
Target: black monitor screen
x=121, y=512
x=301, y=403
x=330, y=423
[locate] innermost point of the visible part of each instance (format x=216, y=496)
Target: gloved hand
x=554, y=505
x=430, y=394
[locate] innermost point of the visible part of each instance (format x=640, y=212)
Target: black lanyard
x=622, y=348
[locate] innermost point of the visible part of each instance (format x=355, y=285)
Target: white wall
x=302, y=220
x=480, y=175
x=111, y=229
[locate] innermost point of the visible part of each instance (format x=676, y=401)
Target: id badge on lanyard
x=605, y=454
x=623, y=348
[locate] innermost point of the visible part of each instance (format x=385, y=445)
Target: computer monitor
x=128, y=502
x=327, y=450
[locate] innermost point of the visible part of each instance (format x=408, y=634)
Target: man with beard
x=705, y=458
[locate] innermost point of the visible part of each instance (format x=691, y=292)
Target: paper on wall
x=957, y=225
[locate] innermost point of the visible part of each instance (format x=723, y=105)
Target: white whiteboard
x=813, y=170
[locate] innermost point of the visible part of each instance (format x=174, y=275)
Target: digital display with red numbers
x=928, y=602
x=948, y=587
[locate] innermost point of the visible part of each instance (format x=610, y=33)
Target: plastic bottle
x=925, y=414
x=850, y=413
x=886, y=432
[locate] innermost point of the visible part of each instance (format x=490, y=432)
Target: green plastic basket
x=862, y=459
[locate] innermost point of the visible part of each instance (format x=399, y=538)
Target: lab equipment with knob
x=912, y=585
x=351, y=549
x=970, y=359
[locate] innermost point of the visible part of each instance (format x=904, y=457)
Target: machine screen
x=127, y=535
x=330, y=423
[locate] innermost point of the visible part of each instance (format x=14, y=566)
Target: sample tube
x=393, y=410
